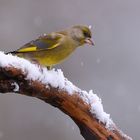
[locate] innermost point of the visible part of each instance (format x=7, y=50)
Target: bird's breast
x=55, y=56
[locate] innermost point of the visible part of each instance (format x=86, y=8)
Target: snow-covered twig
x=18, y=75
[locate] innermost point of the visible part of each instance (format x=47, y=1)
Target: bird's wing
x=44, y=42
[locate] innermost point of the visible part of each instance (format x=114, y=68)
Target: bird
x=53, y=48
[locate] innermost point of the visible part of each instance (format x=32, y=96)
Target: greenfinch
x=51, y=49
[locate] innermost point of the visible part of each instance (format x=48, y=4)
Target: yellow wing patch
x=54, y=46
x=40, y=44
x=28, y=49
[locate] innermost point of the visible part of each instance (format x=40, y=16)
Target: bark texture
x=13, y=80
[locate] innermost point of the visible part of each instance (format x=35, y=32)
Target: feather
x=42, y=43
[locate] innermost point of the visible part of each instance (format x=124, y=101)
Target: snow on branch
x=18, y=75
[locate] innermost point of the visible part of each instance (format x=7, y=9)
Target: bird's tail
x=13, y=52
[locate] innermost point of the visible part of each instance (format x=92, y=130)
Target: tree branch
x=17, y=77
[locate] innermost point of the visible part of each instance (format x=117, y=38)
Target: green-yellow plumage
x=51, y=49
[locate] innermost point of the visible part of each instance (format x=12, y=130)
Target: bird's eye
x=86, y=34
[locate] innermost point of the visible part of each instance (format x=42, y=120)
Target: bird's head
x=82, y=35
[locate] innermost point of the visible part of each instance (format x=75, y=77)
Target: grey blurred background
x=111, y=68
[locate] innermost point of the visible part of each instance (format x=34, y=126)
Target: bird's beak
x=89, y=41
